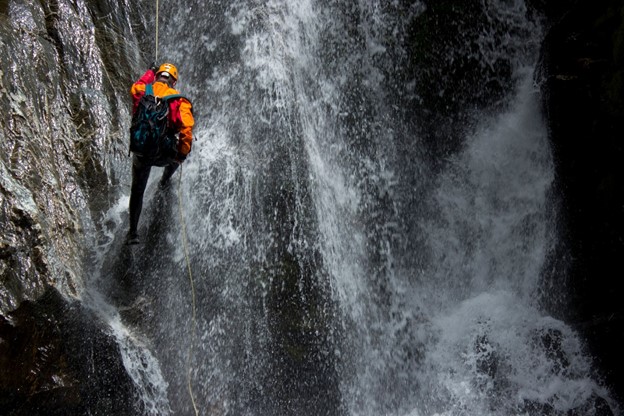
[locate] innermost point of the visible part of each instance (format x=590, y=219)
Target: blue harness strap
x=172, y=96
x=149, y=90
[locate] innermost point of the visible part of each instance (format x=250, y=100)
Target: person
x=180, y=123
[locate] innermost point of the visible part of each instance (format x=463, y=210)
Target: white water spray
x=297, y=128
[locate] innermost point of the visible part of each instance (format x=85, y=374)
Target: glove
x=153, y=67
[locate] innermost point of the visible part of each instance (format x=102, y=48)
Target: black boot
x=132, y=238
x=167, y=174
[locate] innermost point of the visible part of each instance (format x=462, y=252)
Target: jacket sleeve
x=138, y=88
x=185, y=127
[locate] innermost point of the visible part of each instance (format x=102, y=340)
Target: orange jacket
x=180, y=109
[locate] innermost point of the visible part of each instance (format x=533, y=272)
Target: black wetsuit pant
x=140, y=174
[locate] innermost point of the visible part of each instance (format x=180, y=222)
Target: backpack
x=148, y=131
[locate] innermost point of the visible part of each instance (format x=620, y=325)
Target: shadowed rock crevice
x=582, y=68
x=57, y=359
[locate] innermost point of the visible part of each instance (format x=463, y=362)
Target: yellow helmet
x=169, y=69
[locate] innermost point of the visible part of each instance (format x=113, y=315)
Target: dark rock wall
x=44, y=374
x=65, y=70
x=583, y=75
x=65, y=67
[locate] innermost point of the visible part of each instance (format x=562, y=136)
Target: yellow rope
x=156, y=58
x=188, y=265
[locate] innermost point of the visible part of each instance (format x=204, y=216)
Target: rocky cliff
x=65, y=67
x=583, y=79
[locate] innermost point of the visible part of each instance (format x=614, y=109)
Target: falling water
x=341, y=263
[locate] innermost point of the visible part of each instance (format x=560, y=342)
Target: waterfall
x=345, y=261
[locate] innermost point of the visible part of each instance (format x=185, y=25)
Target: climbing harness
x=190, y=273
x=188, y=263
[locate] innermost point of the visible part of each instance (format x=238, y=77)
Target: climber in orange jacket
x=180, y=123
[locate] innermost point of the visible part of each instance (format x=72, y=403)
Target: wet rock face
x=65, y=68
x=583, y=69
x=64, y=71
x=57, y=360
x=27, y=194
